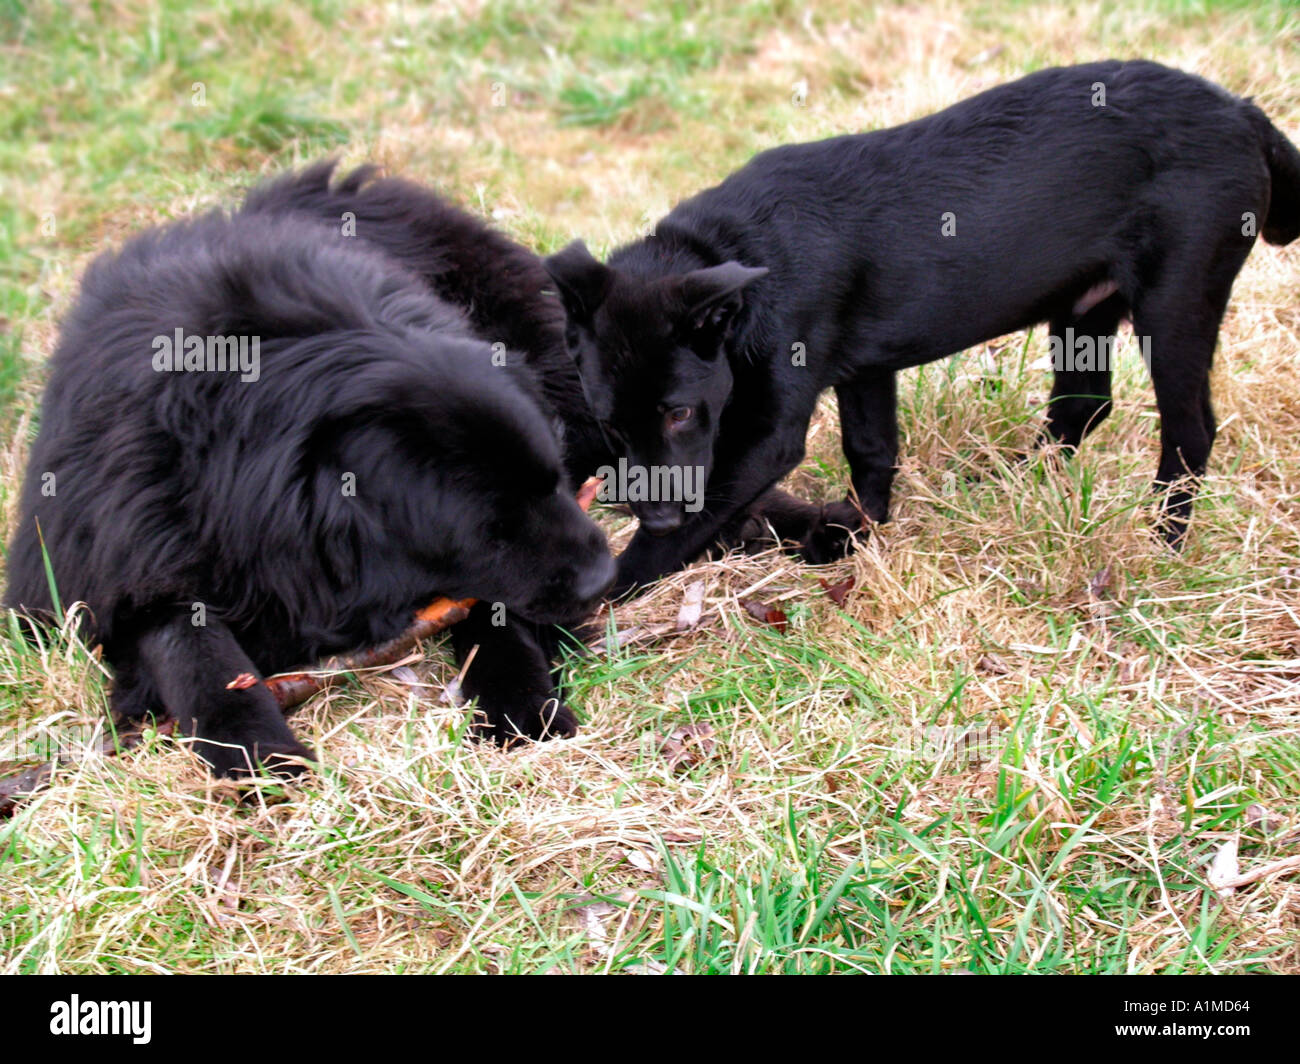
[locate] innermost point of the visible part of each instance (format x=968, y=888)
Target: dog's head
x=541, y=556
x=652, y=357
x=458, y=470
x=528, y=544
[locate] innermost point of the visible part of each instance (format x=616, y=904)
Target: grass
x=1138, y=710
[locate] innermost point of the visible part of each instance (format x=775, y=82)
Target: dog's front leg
x=732, y=488
x=776, y=517
x=510, y=676
x=208, y=685
x=869, y=427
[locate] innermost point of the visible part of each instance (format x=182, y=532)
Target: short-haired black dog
x=1076, y=196
x=264, y=441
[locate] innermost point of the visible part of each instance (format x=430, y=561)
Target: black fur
x=502, y=288
x=178, y=490
x=499, y=284
x=1065, y=211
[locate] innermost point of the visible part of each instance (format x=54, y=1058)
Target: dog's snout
x=659, y=518
x=595, y=579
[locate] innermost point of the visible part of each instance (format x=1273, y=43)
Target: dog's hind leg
x=235, y=729
x=1082, y=347
x=1177, y=322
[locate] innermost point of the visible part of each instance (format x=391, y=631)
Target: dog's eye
x=679, y=414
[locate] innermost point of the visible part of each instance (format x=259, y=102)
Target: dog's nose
x=660, y=518
x=595, y=579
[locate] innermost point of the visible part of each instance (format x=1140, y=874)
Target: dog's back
x=1103, y=158
x=500, y=284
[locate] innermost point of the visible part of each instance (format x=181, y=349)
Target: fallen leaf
x=20, y=782
x=689, y=745
x=1100, y=583
x=648, y=967
x=592, y=912
x=837, y=593
x=1224, y=869
x=638, y=858
x=593, y=915
x=1285, y=867
x=640, y=633
x=992, y=664
x=588, y=492
x=405, y=674
x=766, y=614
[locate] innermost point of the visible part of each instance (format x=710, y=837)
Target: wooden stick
x=291, y=689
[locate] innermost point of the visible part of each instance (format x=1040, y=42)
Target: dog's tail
x=1283, y=222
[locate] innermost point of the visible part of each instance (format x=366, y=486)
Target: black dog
x=1076, y=196
x=263, y=442
x=502, y=288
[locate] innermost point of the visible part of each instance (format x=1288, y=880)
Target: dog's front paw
x=244, y=758
x=831, y=537
x=250, y=739
x=506, y=728
x=752, y=534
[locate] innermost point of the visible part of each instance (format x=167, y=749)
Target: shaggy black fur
x=502, y=288
x=838, y=263
x=384, y=456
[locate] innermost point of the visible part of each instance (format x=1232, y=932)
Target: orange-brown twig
x=293, y=688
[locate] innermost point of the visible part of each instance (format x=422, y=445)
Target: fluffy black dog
x=1076, y=196
x=502, y=288
x=264, y=441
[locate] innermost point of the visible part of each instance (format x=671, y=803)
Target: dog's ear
x=711, y=297
x=581, y=280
